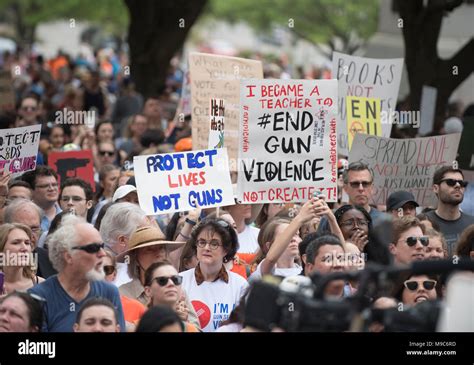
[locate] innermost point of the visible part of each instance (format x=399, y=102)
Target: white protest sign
x=176, y=182
x=214, y=76
x=287, y=146
x=404, y=164
x=365, y=77
x=19, y=148
x=216, y=123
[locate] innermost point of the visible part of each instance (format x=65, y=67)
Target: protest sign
x=175, y=182
x=365, y=77
x=215, y=76
x=79, y=164
x=363, y=116
x=404, y=164
x=7, y=97
x=19, y=148
x=216, y=119
x=287, y=146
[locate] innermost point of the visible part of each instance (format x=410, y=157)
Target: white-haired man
x=76, y=250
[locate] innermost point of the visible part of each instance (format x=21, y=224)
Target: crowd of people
x=80, y=259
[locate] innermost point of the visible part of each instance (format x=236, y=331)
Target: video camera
x=302, y=307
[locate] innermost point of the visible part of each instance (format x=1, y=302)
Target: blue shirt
x=60, y=309
x=45, y=222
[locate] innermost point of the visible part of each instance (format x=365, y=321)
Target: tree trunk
x=421, y=30
x=157, y=31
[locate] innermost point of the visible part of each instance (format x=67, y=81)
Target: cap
x=123, y=191
x=398, y=199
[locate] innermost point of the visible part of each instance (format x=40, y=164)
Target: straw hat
x=148, y=236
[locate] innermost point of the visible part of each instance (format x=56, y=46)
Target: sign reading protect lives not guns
x=18, y=149
x=176, y=182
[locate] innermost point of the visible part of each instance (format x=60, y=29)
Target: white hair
x=63, y=239
x=18, y=204
x=121, y=219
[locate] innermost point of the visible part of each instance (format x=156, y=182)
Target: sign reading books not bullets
x=287, y=144
x=176, y=182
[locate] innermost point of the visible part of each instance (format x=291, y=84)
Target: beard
x=450, y=200
x=94, y=275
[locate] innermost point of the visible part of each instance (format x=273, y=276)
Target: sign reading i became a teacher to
x=176, y=182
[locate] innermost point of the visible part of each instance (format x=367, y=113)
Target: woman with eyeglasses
x=133, y=310
x=409, y=241
x=414, y=289
x=163, y=287
x=213, y=290
x=19, y=266
x=21, y=312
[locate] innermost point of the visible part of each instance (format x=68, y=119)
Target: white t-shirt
x=285, y=272
x=213, y=301
x=248, y=240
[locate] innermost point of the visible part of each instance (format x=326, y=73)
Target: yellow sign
x=363, y=116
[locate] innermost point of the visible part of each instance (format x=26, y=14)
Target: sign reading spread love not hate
x=218, y=77
x=404, y=164
x=287, y=147
x=19, y=148
x=365, y=77
x=176, y=182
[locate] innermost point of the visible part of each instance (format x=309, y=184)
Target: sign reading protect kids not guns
x=365, y=77
x=19, y=148
x=175, y=182
x=404, y=164
x=287, y=147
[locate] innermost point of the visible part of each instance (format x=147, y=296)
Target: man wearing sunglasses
x=409, y=241
x=30, y=110
x=449, y=186
x=77, y=251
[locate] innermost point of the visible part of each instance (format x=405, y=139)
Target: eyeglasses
x=413, y=285
x=411, y=241
x=356, y=184
x=213, y=244
x=109, y=269
x=91, y=247
x=75, y=199
x=44, y=186
x=353, y=222
x=108, y=153
x=29, y=108
x=163, y=280
x=453, y=182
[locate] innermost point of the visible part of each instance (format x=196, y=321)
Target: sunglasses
x=163, y=280
x=109, y=269
x=356, y=184
x=91, y=247
x=411, y=241
x=453, y=182
x=413, y=285
x=108, y=153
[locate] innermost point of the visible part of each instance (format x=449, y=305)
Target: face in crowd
x=97, y=318
x=450, y=191
x=73, y=199
x=418, y=289
x=359, y=187
x=410, y=246
x=165, y=288
x=210, y=250
x=15, y=316
x=46, y=190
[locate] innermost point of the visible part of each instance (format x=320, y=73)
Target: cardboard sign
x=218, y=77
x=363, y=116
x=404, y=164
x=365, y=77
x=216, y=120
x=287, y=146
x=79, y=164
x=19, y=148
x=7, y=96
x=176, y=182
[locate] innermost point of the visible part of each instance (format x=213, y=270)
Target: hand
x=307, y=212
x=194, y=214
x=322, y=207
x=360, y=239
x=182, y=310
x=4, y=180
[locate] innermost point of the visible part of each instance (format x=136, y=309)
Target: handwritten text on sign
x=18, y=149
x=287, y=145
x=363, y=116
x=404, y=164
x=366, y=77
x=177, y=182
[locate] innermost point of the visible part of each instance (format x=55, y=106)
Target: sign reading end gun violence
x=176, y=182
x=287, y=146
x=404, y=164
x=19, y=148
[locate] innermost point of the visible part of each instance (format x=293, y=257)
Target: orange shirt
x=132, y=309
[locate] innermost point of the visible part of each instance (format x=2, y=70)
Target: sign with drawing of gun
x=78, y=164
